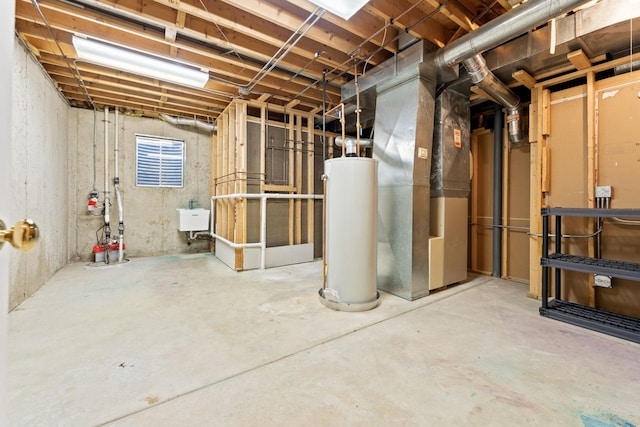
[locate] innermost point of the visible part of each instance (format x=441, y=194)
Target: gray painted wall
x=39, y=154
x=52, y=173
x=150, y=215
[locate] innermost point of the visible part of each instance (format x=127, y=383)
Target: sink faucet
x=192, y=202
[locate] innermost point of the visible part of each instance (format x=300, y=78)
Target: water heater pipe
x=358, y=125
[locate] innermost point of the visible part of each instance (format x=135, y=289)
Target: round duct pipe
x=182, y=121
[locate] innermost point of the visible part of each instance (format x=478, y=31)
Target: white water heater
x=351, y=199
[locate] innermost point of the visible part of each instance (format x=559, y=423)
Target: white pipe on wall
x=262, y=244
x=116, y=181
x=107, y=229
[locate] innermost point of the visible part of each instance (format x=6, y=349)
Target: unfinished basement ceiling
x=233, y=40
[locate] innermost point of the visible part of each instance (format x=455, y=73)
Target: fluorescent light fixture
x=345, y=9
x=127, y=60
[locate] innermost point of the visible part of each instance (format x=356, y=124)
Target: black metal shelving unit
x=614, y=324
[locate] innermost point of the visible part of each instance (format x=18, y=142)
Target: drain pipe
x=497, y=192
x=483, y=77
x=107, y=201
x=181, y=121
x=116, y=184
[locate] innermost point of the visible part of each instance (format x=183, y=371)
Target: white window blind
x=159, y=162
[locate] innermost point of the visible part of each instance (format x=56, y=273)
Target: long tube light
x=345, y=9
x=126, y=60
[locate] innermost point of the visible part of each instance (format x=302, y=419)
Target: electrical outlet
x=603, y=191
x=602, y=281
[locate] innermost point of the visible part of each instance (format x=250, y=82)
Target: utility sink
x=193, y=219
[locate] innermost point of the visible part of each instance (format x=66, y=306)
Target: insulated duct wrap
x=450, y=157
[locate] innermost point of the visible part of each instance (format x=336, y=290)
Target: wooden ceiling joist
x=234, y=40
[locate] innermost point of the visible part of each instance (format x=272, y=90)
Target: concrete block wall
x=39, y=153
x=150, y=215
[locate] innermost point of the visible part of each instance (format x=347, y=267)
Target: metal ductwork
x=468, y=51
x=422, y=143
x=502, y=29
x=487, y=81
x=181, y=121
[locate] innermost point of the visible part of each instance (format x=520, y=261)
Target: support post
x=497, y=192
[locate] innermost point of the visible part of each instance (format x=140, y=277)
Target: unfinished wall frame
x=600, y=138
x=264, y=148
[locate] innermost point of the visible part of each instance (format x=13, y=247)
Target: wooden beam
x=481, y=93
x=290, y=144
x=525, y=78
x=579, y=59
x=591, y=173
x=292, y=103
x=181, y=16
x=310, y=144
x=341, y=42
x=298, y=170
x=264, y=97
x=431, y=30
x=582, y=73
x=363, y=25
x=147, y=40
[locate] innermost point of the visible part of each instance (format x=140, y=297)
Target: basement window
x=159, y=162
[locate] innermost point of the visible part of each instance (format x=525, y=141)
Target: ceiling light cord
x=74, y=71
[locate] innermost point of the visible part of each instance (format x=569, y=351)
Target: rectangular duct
x=450, y=159
x=402, y=145
x=423, y=182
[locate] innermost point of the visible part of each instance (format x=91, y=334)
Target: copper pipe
x=358, y=125
x=343, y=122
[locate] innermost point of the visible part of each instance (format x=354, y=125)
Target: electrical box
x=602, y=281
x=603, y=191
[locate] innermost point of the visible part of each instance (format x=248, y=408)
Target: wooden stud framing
x=298, y=168
x=310, y=179
x=525, y=78
x=542, y=97
x=579, y=59
x=591, y=172
x=290, y=177
x=230, y=170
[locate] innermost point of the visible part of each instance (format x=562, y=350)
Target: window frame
x=159, y=141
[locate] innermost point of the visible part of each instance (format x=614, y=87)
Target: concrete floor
x=184, y=341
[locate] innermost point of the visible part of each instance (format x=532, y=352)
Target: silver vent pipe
x=468, y=51
x=502, y=29
x=182, y=121
x=483, y=77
